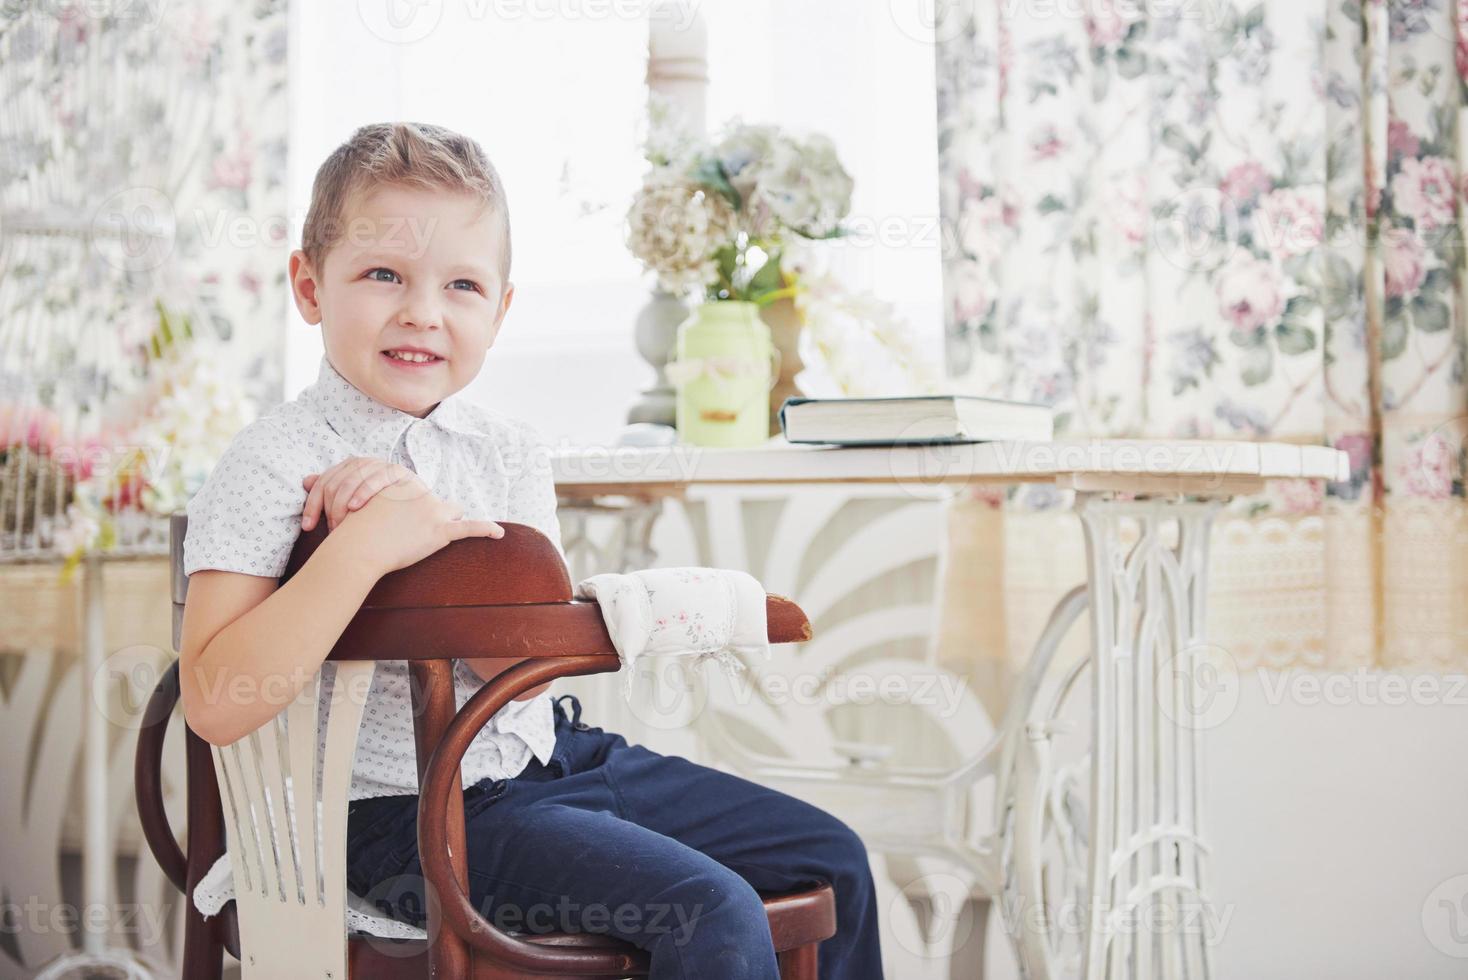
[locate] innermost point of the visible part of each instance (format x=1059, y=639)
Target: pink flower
x=1248, y=292
x=73, y=26
x=1129, y=211
x=1463, y=42
x=1429, y=472
x=1288, y=222
x=1046, y=144
x=988, y=494
x=1300, y=496
x=971, y=296
x=1105, y=24
x=34, y=426
x=1358, y=447
x=231, y=171
x=1425, y=191
x=1400, y=140
x=1402, y=261
x=1245, y=182
x=969, y=186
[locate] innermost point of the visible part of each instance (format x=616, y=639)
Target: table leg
x=1111, y=882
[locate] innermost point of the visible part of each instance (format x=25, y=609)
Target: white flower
x=190, y=410
x=675, y=227
x=855, y=344
x=805, y=187
x=784, y=183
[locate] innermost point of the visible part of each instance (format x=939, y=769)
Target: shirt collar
x=369, y=425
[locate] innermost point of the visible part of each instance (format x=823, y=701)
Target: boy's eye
x=465, y=284
x=390, y=275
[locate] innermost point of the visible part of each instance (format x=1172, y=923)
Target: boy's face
x=413, y=269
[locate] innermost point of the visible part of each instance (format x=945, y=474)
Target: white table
x=1101, y=873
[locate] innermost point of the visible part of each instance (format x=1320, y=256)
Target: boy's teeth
x=413, y=356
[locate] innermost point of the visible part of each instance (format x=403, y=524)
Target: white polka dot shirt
x=247, y=516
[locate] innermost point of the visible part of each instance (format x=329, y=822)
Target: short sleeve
x=533, y=488
x=247, y=515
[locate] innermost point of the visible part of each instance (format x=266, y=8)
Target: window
x=555, y=92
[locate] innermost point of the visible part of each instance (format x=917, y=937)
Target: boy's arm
x=250, y=645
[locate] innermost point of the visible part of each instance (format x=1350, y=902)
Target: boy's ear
x=303, y=287
x=499, y=317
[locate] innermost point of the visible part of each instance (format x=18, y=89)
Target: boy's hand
x=346, y=487
x=405, y=523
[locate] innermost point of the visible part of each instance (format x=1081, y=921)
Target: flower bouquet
x=716, y=216
x=111, y=491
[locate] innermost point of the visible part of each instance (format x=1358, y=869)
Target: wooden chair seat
x=478, y=597
x=797, y=919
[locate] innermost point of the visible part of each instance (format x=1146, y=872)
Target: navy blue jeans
x=654, y=849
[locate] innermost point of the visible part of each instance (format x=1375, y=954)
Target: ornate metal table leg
x=627, y=549
x=1112, y=883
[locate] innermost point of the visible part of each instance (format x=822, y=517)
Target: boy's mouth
x=407, y=357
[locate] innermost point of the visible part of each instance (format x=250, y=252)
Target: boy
x=405, y=264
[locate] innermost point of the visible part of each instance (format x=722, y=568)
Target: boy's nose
x=420, y=310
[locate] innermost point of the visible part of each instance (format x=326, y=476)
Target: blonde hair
x=405, y=154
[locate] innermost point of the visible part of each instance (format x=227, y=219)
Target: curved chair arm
x=148, y=779
x=438, y=786
x=152, y=815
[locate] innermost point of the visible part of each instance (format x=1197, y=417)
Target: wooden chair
x=286, y=836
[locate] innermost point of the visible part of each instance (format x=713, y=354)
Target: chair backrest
x=283, y=789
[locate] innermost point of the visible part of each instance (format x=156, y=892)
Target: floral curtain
x=169, y=120
x=142, y=202
x=1224, y=220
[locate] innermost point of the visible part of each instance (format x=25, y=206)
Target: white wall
x=1332, y=825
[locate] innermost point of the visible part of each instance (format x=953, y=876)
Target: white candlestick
x=677, y=61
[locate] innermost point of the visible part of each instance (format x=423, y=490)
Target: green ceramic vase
x=723, y=372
